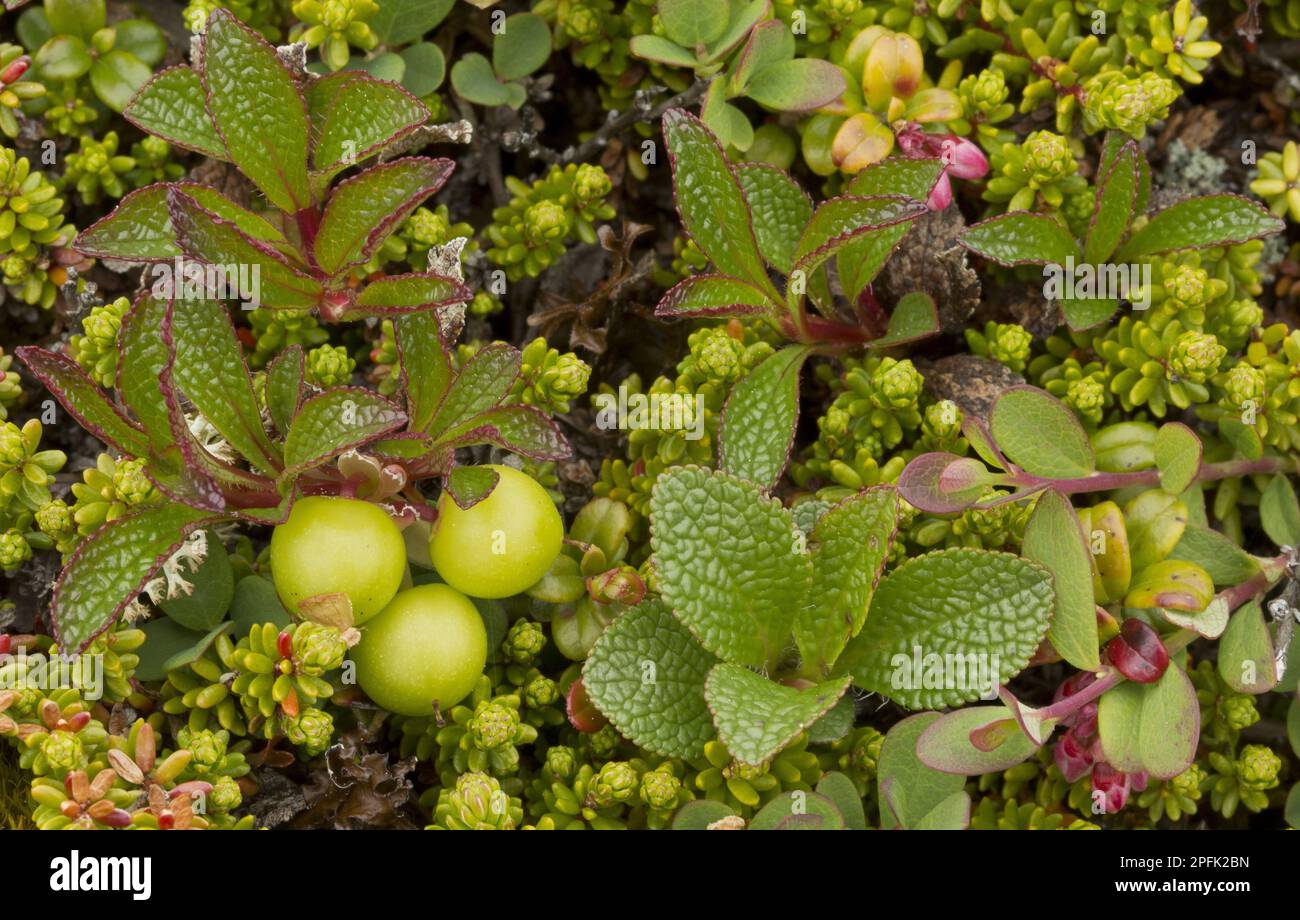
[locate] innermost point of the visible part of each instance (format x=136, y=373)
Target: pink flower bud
x=963, y=158
x=941, y=194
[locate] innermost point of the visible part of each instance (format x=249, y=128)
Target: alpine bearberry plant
x=670, y=414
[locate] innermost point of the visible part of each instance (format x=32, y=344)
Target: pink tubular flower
x=1113, y=785
x=961, y=158
x=1073, y=758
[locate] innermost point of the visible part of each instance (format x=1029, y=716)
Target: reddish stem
x=1233, y=597
x=1106, y=482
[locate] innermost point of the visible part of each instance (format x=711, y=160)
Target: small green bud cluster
x=531, y=232
x=95, y=349
x=333, y=25
x=31, y=223
x=548, y=379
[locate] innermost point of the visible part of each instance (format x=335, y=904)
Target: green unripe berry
x=501, y=545
x=338, y=545
x=428, y=647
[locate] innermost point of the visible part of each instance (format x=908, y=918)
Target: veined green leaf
x=1114, y=208
x=728, y=563
x=896, y=176
x=850, y=543
x=713, y=295
x=646, y=674
x=950, y=627
x=139, y=229
x=284, y=386
x=482, y=384
x=426, y=365
x=139, y=368
x=524, y=430
x=1021, y=238
x=760, y=417
x=209, y=239
x=356, y=116
x=757, y=717
x=469, y=485
x=779, y=209
x=400, y=294
x=209, y=369
x=83, y=400
x=1201, y=223
x=840, y=222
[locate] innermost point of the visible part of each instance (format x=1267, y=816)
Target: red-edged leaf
x=714, y=295
x=139, y=229
x=426, y=365
x=973, y=741
x=897, y=176
x=284, y=384
x=524, y=430
x=483, y=382
x=172, y=106
x=840, y=222
x=340, y=419
x=143, y=356
x=408, y=293
x=111, y=567
x=711, y=202
x=779, y=210
x=250, y=224
x=209, y=370
x=363, y=211
x=1021, y=238
x=469, y=485
x=209, y=239
x=83, y=400
x=1201, y=223
x=1113, y=211
x=943, y=483
x=258, y=110
x=355, y=116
